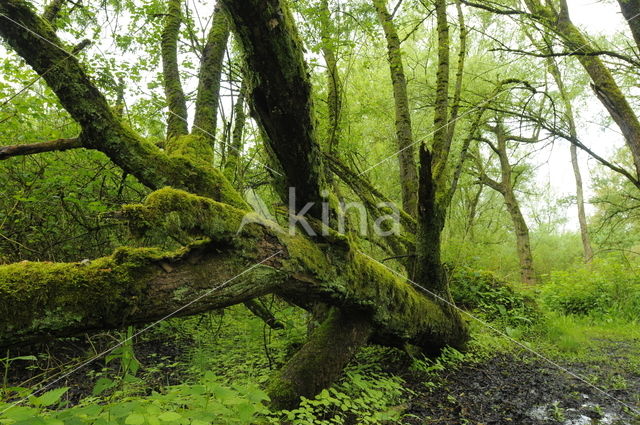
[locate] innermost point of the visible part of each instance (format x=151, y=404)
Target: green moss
x=182, y=213
x=56, y=294
x=194, y=147
x=282, y=392
x=398, y=307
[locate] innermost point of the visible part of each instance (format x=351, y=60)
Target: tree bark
x=604, y=85
x=631, y=12
x=208, y=97
x=404, y=136
x=280, y=91
x=177, y=117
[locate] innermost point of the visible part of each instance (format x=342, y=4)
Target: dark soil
x=508, y=389
x=158, y=358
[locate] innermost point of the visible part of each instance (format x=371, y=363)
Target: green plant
x=605, y=289
x=370, y=398
x=493, y=299
x=6, y=363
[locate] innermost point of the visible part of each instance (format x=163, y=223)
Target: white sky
x=595, y=17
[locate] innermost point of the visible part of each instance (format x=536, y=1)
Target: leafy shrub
x=492, y=298
x=364, y=398
x=605, y=287
x=206, y=402
x=366, y=395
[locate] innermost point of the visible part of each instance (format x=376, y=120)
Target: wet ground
x=519, y=389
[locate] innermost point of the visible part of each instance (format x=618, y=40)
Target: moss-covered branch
x=205, y=118
x=279, y=87
x=177, y=117
x=148, y=282
x=101, y=128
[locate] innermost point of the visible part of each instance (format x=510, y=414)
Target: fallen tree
x=218, y=265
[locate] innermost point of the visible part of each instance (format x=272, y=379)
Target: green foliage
x=492, y=298
x=366, y=395
x=206, y=402
x=607, y=287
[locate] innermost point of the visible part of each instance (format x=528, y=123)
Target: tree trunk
x=232, y=168
x=177, y=118
x=527, y=273
x=631, y=12
x=321, y=360
x=206, y=115
x=604, y=85
x=573, y=132
x=280, y=91
x=582, y=218
x=506, y=189
x=404, y=136
x=221, y=265
x=334, y=83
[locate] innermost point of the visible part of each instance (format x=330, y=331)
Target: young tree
x=505, y=186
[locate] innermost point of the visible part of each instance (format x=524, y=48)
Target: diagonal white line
x=39, y=36
x=209, y=134
x=173, y=313
x=515, y=341
x=470, y=110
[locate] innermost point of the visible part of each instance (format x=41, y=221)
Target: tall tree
x=177, y=118
x=208, y=97
x=217, y=265
x=404, y=133
x=505, y=186
x=604, y=85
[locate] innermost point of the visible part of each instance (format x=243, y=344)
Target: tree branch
x=33, y=148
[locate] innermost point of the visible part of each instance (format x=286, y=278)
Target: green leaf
x=50, y=397
x=102, y=385
x=169, y=416
x=134, y=419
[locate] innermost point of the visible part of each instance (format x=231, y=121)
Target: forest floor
x=496, y=382
x=517, y=387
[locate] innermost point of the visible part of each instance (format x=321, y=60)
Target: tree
x=404, y=133
x=505, y=186
x=215, y=265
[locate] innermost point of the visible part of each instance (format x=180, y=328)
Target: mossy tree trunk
x=434, y=196
x=208, y=97
x=177, y=117
x=604, y=85
x=219, y=266
x=631, y=12
x=505, y=186
x=404, y=134
x=278, y=84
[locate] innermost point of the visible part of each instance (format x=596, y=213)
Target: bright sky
x=595, y=17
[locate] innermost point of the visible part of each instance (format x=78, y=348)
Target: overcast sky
x=595, y=17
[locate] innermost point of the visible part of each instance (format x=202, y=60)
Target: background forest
x=502, y=138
